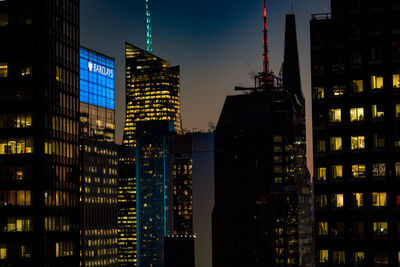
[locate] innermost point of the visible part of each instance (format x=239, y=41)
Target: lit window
x=321, y=174
x=3, y=251
x=356, y=114
x=397, y=110
x=381, y=258
x=277, y=139
x=323, y=228
x=398, y=200
x=396, y=80
x=379, y=199
x=320, y=146
x=376, y=82
x=380, y=228
x=379, y=170
x=336, y=143
x=318, y=93
x=338, y=257
x=3, y=19
x=358, y=200
x=378, y=141
x=335, y=115
x=357, y=86
x=397, y=168
x=337, y=229
x=338, y=90
x=337, y=171
x=321, y=201
x=337, y=200
x=323, y=256
x=3, y=69
x=377, y=112
x=359, y=258
x=357, y=142
x=26, y=71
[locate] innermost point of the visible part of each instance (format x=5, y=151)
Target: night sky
x=217, y=43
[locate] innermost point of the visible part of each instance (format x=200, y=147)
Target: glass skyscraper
x=98, y=158
x=39, y=137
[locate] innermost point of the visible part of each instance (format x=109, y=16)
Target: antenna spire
x=149, y=37
x=266, y=59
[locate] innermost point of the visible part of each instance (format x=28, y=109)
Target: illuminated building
x=262, y=212
x=355, y=59
x=127, y=255
x=191, y=157
x=39, y=136
x=153, y=194
x=152, y=91
x=98, y=157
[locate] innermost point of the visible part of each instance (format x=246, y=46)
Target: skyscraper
x=153, y=188
x=191, y=158
x=355, y=56
x=262, y=213
x=152, y=91
x=127, y=219
x=98, y=157
x=39, y=133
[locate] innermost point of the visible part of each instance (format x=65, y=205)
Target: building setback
x=39, y=133
x=355, y=55
x=98, y=157
x=262, y=213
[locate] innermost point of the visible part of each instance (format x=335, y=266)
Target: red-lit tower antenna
x=266, y=79
x=266, y=60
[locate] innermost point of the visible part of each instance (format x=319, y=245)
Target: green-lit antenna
x=149, y=37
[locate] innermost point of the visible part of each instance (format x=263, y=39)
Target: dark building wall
x=179, y=251
x=39, y=147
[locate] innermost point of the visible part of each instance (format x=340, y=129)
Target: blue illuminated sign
x=97, y=79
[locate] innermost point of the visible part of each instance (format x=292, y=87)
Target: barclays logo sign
x=93, y=67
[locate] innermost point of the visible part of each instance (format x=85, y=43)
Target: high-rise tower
x=355, y=59
x=262, y=212
x=39, y=133
x=152, y=91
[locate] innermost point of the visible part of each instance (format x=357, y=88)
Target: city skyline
x=199, y=46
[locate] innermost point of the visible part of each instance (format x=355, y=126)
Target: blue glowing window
x=97, y=79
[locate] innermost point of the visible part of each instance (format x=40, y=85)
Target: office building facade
x=127, y=219
x=191, y=158
x=152, y=91
x=98, y=158
x=355, y=55
x=262, y=212
x=39, y=133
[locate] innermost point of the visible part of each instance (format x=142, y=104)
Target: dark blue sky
x=217, y=43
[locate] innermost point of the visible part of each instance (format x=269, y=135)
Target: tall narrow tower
x=149, y=37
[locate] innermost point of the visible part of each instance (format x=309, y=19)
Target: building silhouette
x=262, y=213
x=98, y=157
x=355, y=55
x=39, y=133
